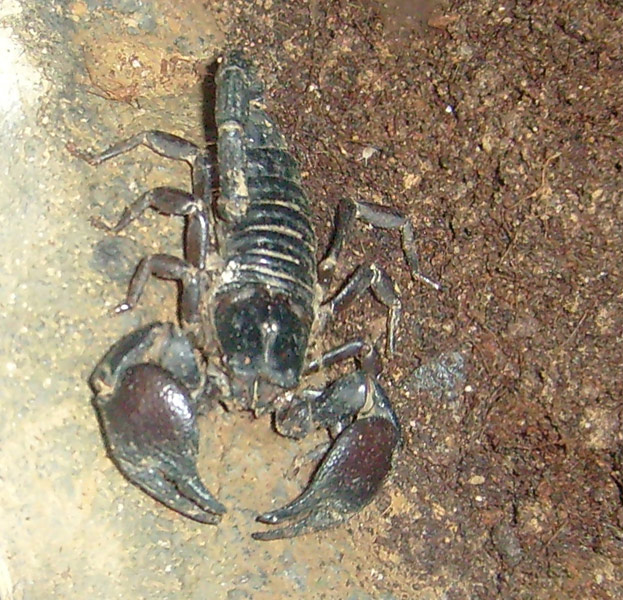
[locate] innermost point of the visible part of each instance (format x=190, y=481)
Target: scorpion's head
x=263, y=340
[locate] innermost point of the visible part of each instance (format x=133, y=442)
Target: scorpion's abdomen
x=274, y=244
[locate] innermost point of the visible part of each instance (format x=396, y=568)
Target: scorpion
x=252, y=309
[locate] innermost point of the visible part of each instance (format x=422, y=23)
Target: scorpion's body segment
x=273, y=245
x=251, y=304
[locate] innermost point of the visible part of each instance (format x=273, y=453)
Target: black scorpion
x=251, y=313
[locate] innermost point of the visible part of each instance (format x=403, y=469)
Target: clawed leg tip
x=100, y=224
x=289, y=530
x=281, y=533
x=218, y=509
x=263, y=536
x=312, y=523
x=268, y=518
x=297, y=520
x=81, y=154
x=206, y=519
x=202, y=508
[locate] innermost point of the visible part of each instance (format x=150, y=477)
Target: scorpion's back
x=266, y=297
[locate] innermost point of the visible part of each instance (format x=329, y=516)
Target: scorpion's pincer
x=148, y=417
x=352, y=471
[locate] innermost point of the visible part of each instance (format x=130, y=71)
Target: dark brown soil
x=496, y=126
